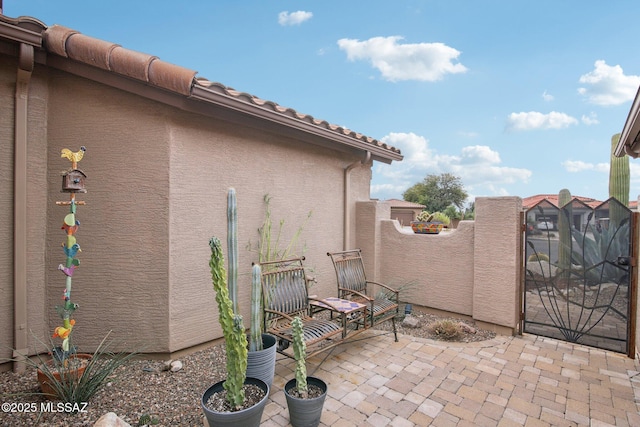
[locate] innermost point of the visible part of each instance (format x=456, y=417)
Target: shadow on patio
x=505, y=381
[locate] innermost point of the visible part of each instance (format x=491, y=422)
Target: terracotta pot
x=67, y=374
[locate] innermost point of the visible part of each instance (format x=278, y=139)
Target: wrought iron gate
x=579, y=281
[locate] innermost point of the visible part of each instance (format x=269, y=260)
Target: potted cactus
x=261, y=359
x=237, y=400
x=305, y=394
x=429, y=223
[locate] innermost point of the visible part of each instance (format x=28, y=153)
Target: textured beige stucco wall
x=497, y=254
x=207, y=158
x=157, y=181
x=442, y=271
x=122, y=283
x=36, y=204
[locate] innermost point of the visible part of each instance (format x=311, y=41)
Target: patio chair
x=381, y=300
x=285, y=296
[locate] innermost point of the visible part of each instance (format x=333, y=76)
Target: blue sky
x=516, y=98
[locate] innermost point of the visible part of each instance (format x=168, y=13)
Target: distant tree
x=470, y=212
x=437, y=192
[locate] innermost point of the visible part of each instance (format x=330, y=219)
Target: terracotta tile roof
x=529, y=202
x=149, y=69
x=397, y=203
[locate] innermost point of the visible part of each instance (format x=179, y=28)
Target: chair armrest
x=326, y=303
x=279, y=313
x=389, y=288
x=361, y=295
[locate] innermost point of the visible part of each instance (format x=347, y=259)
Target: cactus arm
x=300, y=353
x=255, y=342
x=232, y=328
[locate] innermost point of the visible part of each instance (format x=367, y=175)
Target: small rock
x=176, y=365
x=110, y=419
x=466, y=328
x=166, y=365
x=410, y=322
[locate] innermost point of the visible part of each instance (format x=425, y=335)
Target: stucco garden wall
x=471, y=271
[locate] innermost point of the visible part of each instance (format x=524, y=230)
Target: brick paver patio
x=506, y=381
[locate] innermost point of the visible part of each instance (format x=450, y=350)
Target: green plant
x=446, y=329
x=255, y=333
x=597, y=251
x=300, y=354
x=62, y=376
x=232, y=328
x=619, y=182
x=232, y=247
x=425, y=216
x=564, y=231
x=147, y=420
x=441, y=217
x=269, y=245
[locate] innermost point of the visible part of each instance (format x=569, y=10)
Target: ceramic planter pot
x=422, y=227
x=262, y=364
x=249, y=417
x=71, y=373
x=305, y=412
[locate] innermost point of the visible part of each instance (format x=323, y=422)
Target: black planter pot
x=249, y=417
x=262, y=364
x=305, y=412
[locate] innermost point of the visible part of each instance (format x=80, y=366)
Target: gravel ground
x=141, y=389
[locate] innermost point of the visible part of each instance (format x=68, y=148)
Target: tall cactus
x=232, y=247
x=232, y=328
x=300, y=354
x=255, y=341
x=619, y=183
x=564, y=231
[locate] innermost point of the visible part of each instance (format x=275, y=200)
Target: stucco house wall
x=161, y=155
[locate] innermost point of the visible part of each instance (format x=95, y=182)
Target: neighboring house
x=404, y=212
x=163, y=146
x=549, y=209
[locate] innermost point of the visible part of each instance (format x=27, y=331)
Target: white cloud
x=608, y=85
x=534, y=120
x=293, y=18
x=591, y=119
x=478, y=166
x=418, y=61
x=580, y=166
x=547, y=96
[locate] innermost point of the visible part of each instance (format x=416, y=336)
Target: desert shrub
x=447, y=330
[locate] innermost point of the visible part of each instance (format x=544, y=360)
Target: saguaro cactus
x=619, y=183
x=300, y=354
x=564, y=231
x=232, y=328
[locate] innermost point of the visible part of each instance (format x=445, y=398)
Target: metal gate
x=579, y=281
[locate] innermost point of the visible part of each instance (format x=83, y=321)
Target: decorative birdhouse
x=73, y=181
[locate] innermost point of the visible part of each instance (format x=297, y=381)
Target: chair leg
x=395, y=332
